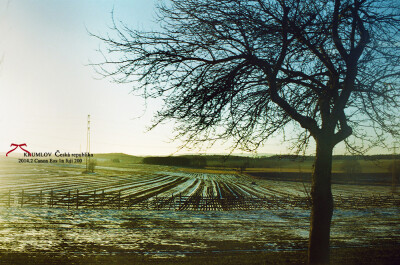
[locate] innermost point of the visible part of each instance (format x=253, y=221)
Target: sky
x=47, y=88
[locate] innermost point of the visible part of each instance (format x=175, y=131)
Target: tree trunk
x=322, y=204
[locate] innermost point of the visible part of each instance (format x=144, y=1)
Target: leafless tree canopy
x=246, y=69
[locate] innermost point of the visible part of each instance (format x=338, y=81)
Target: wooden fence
x=74, y=199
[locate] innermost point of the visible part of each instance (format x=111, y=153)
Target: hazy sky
x=47, y=90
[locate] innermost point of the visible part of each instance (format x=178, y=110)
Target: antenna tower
x=88, y=144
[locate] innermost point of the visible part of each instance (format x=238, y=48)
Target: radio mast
x=88, y=144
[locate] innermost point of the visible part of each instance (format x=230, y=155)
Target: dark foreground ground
x=119, y=237
x=388, y=255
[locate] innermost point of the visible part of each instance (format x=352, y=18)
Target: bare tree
x=246, y=70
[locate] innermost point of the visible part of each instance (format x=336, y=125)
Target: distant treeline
x=366, y=157
x=335, y=157
x=201, y=161
x=181, y=161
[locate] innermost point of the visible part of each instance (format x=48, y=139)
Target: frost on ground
x=176, y=233
x=168, y=232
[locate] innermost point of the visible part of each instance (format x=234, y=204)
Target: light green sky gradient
x=47, y=90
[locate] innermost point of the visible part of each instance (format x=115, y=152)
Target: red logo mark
x=20, y=146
